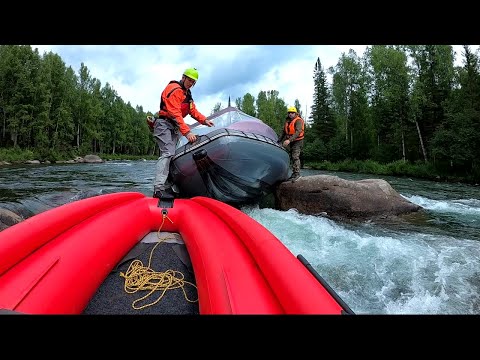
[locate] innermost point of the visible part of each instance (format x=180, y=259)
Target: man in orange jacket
x=293, y=135
x=176, y=103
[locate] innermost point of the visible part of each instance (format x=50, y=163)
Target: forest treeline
x=402, y=106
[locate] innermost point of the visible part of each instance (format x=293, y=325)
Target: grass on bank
x=397, y=168
x=17, y=156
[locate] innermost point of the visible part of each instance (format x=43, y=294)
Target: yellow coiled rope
x=139, y=277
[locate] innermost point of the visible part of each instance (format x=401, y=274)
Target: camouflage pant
x=295, y=151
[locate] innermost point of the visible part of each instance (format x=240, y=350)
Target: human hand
x=209, y=123
x=286, y=143
x=191, y=137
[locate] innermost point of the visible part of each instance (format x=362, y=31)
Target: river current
x=428, y=263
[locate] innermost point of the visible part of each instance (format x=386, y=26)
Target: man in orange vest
x=293, y=135
x=176, y=103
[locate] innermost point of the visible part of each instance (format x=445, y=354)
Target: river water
x=428, y=263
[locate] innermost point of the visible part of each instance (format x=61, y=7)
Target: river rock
x=8, y=218
x=342, y=199
x=92, y=159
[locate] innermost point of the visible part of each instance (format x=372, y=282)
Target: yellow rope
x=139, y=277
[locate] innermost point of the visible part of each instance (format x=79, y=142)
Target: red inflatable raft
x=54, y=262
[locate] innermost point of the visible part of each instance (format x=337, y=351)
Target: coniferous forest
x=397, y=109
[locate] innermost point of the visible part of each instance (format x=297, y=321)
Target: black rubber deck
x=112, y=299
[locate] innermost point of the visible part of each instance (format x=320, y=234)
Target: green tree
x=271, y=109
x=456, y=144
x=247, y=104
x=350, y=103
x=389, y=75
x=216, y=108
x=434, y=74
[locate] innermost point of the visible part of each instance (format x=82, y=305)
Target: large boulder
x=342, y=199
x=92, y=159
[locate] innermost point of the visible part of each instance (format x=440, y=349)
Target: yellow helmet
x=192, y=73
x=292, y=109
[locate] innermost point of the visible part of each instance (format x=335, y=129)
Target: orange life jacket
x=290, y=128
x=177, y=107
x=171, y=87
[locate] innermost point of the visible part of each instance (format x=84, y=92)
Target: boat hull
x=54, y=262
x=231, y=166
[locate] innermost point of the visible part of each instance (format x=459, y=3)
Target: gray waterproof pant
x=166, y=135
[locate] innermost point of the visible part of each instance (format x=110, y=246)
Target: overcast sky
x=138, y=73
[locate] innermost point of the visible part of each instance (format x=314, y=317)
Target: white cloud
x=139, y=73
